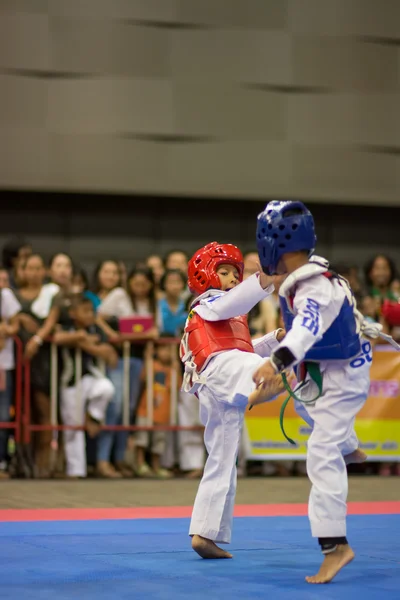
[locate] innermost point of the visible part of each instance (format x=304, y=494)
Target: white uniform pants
x=345, y=390
x=213, y=508
x=223, y=401
x=92, y=396
x=191, y=445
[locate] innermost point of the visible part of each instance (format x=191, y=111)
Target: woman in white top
x=115, y=303
x=9, y=324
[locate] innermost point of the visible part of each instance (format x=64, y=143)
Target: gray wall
x=94, y=228
x=247, y=98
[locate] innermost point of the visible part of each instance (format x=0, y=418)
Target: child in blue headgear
x=325, y=344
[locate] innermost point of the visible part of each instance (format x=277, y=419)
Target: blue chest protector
x=340, y=342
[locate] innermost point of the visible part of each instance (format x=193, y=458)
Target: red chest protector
x=206, y=338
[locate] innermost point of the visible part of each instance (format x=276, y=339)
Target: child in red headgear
x=220, y=359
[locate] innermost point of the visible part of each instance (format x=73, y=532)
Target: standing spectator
x=380, y=272
x=172, y=312
x=177, y=259
x=263, y=316
x=54, y=301
x=115, y=303
x=142, y=292
x=4, y=278
x=80, y=284
x=156, y=264
x=13, y=251
x=9, y=324
x=84, y=403
x=31, y=319
x=155, y=442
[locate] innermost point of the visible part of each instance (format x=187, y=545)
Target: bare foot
x=333, y=563
x=207, y=548
x=358, y=456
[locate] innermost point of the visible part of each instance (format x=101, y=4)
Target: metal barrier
x=127, y=342
x=19, y=365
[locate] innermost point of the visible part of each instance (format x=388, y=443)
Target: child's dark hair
x=78, y=299
x=80, y=272
x=169, y=272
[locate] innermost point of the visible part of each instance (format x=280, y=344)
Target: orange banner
x=377, y=424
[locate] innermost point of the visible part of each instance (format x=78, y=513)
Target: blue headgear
x=284, y=226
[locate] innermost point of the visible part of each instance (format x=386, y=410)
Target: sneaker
x=144, y=471
x=163, y=474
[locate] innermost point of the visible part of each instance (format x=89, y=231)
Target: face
x=251, y=261
x=78, y=284
x=163, y=354
x=380, y=272
x=109, y=276
x=155, y=263
x=228, y=276
x=140, y=286
x=34, y=271
x=61, y=270
x=4, y=279
x=174, y=285
x=83, y=314
x=178, y=260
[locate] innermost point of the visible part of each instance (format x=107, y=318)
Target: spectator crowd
x=58, y=300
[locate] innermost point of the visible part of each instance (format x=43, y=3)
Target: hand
x=264, y=375
x=115, y=338
x=3, y=329
x=92, y=338
x=108, y=353
x=82, y=336
x=152, y=334
x=31, y=348
x=280, y=334
x=29, y=324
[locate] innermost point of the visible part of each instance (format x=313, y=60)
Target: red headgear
x=202, y=268
x=391, y=312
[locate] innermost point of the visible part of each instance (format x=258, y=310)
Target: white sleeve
x=9, y=304
x=116, y=304
x=265, y=345
x=238, y=301
x=316, y=309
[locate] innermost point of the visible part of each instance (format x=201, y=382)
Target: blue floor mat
x=152, y=559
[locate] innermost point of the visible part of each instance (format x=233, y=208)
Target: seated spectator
x=13, y=251
x=9, y=325
x=154, y=442
x=84, y=402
